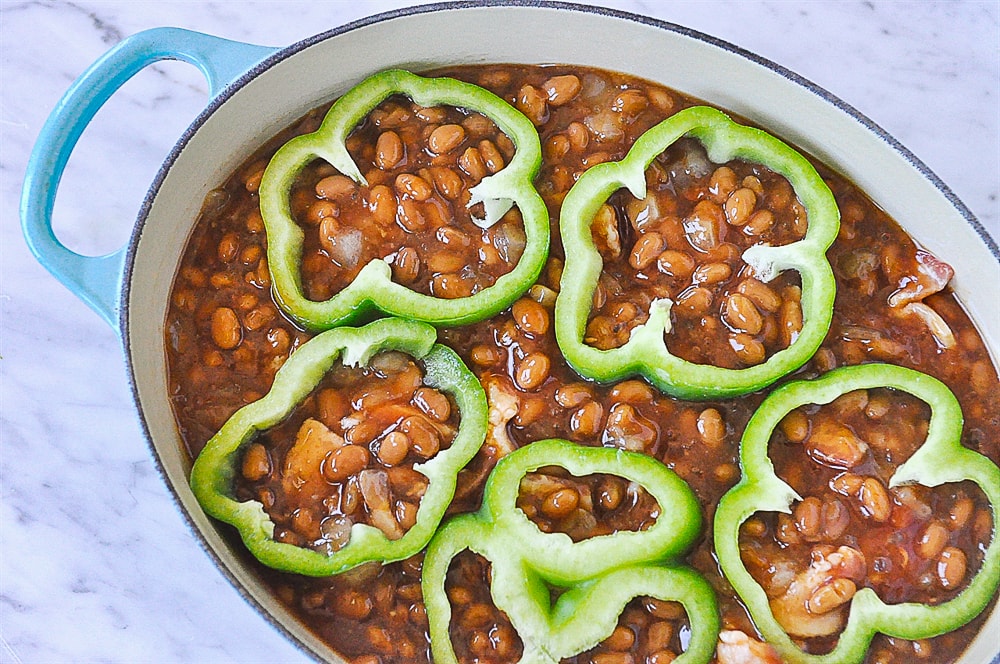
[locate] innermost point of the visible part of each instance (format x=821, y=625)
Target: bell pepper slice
x=216, y=466
x=646, y=352
x=940, y=459
x=600, y=575
x=373, y=289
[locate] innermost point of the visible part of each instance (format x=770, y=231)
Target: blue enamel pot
x=257, y=91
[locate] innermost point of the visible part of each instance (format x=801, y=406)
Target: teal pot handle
x=97, y=280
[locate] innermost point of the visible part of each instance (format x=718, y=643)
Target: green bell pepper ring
x=373, y=288
x=646, y=352
x=216, y=466
x=939, y=460
x=600, y=575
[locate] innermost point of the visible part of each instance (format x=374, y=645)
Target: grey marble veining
x=96, y=563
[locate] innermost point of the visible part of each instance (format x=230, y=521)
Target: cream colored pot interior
x=326, y=69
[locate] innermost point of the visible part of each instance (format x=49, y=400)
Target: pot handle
x=97, y=280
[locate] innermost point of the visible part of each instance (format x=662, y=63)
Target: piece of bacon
x=932, y=276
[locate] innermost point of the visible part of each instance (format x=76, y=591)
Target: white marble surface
x=95, y=562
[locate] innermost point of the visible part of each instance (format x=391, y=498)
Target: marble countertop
x=96, y=563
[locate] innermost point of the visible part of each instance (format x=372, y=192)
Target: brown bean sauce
x=226, y=337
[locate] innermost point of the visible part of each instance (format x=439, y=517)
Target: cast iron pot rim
x=293, y=49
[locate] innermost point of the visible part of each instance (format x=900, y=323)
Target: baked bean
x=406, y=265
x=279, y=339
x=982, y=527
x=259, y=317
x=659, y=635
x=533, y=103
x=695, y=300
x=628, y=429
x=556, y=147
x=382, y=203
x=711, y=427
x=410, y=216
x=725, y=473
x=808, y=518
x=335, y=186
x=647, y=249
x=675, y=264
x=227, y=333
x=184, y=300
x=711, y=273
x=836, y=445
x=344, y=462
x=578, y=135
x=874, y=499
x=749, y=350
x=825, y=360
x=426, y=443
x=560, y=503
x=256, y=462
x=701, y=227
x=791, y=322
x=406, y=514
x=423, y=436
x=442, y=261
x=801, y=221
x=740, y=205
x=573, y=395
x=610, y=493
x=317, y=212
x=484, y=355
x=960, y=513
x=605, y=232
x=847, y=484
x=600, y=297
x=332, y=407
x=631, y=391
x=446, y=138
x=630, y=102
x=759, y=222
x=492, y=158
x=252, y=181
x=722, y=183
x=222, y=280
x=229, y=246
x=951, y=567
x=760, y=294
x=472, y=163
x=836, y=519
x=612, y=658
x=531, y=317
x=741, y=315
x=389, y=150
x=451, y=286
x=413, y=186
x=393, y=449
x=586, y=420
x=932, y=541
x=621, y=639
x=433, y=403
x=530, y=411
x=532, y=371
x=561, y=90
x=664, y=609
